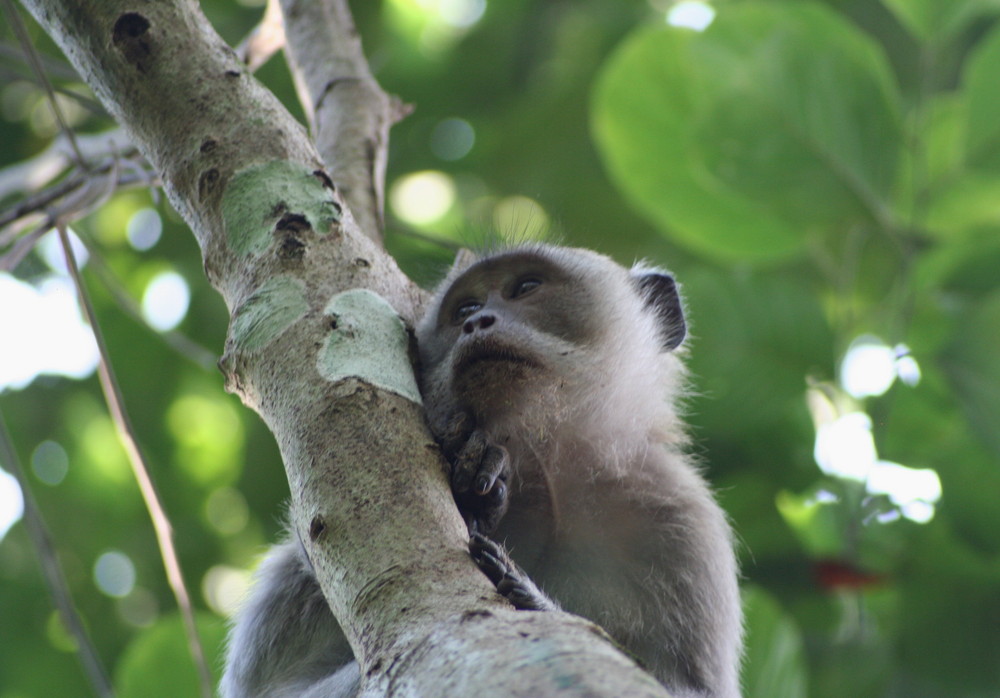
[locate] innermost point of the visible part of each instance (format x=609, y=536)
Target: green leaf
x=860, y=665
x=969, y=202
x=775, y=656
x=927, y=430
x=777, y=122
x=936, y=21
x=972, y=364
x=970, y=483
x=949, y=617
x=756, y=338
x=980, y=83
x=158, y=663
x=943, y=136
x=815, y=521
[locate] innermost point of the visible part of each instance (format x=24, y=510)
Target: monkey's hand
x=510, y=580
x=479, y=475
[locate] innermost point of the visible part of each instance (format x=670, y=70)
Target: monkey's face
x=511, y=327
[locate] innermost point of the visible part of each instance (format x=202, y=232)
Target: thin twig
x=43, y=199
x=81, y=194
x=28, y=176
x=264, y=40
x=76, y=204
x=8, y=75
x=57, y=67
x=38, y=202
x=52, y=572
x=161, y=524
x=21, y=248
x=29, y=49
x=348, y=112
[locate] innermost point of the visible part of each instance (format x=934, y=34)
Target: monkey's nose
x=478, y=322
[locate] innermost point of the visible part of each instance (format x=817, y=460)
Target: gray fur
x=607, y=514
x=284, y=642
x=577, y=382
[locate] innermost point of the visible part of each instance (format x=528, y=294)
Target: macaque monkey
x=550, y=377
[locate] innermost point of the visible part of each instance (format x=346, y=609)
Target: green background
x=811, y=172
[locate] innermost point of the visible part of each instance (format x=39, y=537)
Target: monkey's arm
x=653, y=565
x=285, y=641
x=653, y=575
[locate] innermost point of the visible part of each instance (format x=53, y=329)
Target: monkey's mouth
x=483, y=351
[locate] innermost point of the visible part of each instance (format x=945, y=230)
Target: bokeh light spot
x=165, y=302
x=520, y=218
x=224, y=587
x=227, y=511
x=114, y=573
x=43, y=332
x=49, y=462
x=422, y=197
x=209, y=437
x=691, y=14
x=868, y=368
x=144, y=229
x=452, y=139
x=11, y=502
x=140, y=608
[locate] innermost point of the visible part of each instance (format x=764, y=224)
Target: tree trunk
x=318, y=342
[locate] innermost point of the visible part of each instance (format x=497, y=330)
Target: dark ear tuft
x=659, y=292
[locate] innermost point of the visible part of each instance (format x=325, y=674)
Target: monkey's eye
x=465, y=310
x=525, y=286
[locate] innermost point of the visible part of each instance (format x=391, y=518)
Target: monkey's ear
x=464, y=259
x=659, y=291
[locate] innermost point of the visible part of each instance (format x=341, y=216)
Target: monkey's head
x=542, y=331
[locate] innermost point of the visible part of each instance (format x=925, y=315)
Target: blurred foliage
x=811, y=171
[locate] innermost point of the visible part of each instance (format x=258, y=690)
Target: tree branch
x=264, y=40
x=349, y=112
x=328, y=369
x=30, y=175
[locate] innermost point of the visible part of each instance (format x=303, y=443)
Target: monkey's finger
x=491, y=567
x=523, y=594
x=489, y=557
x=514, y=591
x=498, y=494
x=480, y=543
x=492, y=467
x=461, y=479
x=456, y=432
x=467, y=463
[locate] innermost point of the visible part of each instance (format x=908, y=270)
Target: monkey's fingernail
x=483, y=484
x=495, y=561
